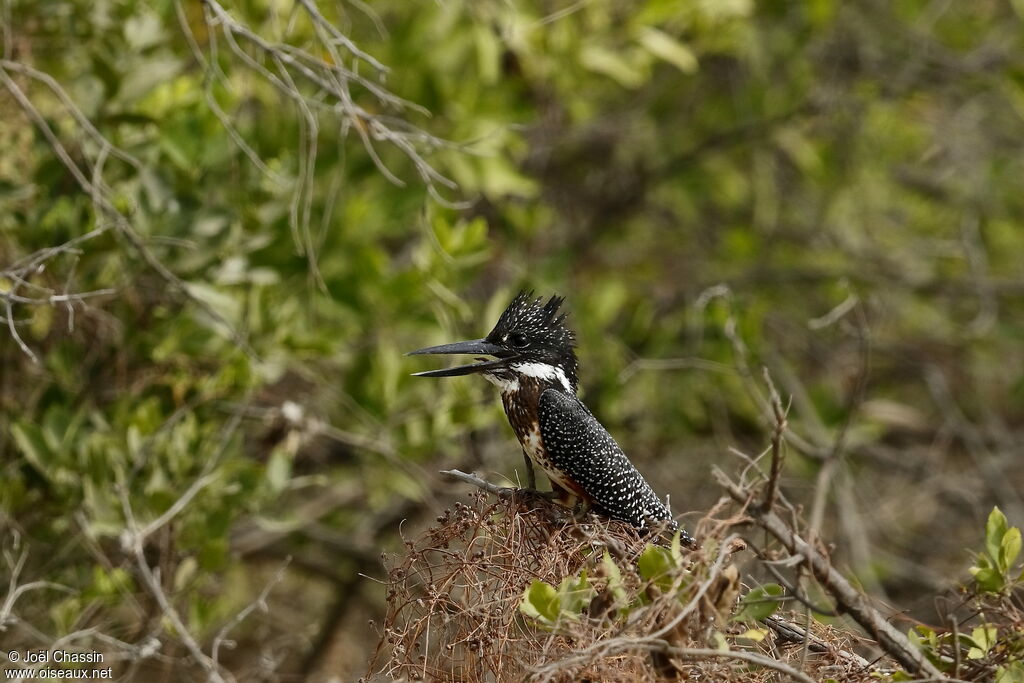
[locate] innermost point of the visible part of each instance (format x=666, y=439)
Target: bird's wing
x=578, y=445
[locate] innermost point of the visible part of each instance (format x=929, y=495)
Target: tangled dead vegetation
x=515, y=589
x=512, y=587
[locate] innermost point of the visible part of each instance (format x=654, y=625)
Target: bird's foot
x=536, y=493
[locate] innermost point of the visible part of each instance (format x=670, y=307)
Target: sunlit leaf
x=614, y=577
x=611, y=64
x=664, y=46
x=574, y=594
x=995, y=529
x=755, y=634
x=759, y=603
x=656, y=564
x=1009, y=548
x=1012, y=672
x=541, y=601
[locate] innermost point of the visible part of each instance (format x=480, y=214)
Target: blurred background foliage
x=830, y=190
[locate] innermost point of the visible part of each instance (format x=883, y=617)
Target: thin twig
x=741, y=655
x=500, y=491
x=771, y=490
x=133, y=541
x=850, y=600
x=260, y=603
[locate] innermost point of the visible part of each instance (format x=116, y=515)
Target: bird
x=534, y=365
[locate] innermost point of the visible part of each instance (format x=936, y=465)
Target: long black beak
x=473, y=346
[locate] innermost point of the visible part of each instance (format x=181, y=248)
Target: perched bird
x=534, y=365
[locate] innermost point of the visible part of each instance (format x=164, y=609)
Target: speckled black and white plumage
x=583, y=451
x=574, y=449
x=536, y=371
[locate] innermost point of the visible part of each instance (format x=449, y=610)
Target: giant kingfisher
x=535, y=368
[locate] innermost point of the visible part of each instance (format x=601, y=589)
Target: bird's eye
x=518, y=340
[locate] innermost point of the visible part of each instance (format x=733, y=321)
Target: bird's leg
x=556, y=491
x=531, y=476
x=557, y=494
x=560, y=494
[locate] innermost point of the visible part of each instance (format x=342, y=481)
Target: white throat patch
x=506, y=385
x=544, y=371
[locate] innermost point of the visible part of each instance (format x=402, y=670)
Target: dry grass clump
x=454, y=605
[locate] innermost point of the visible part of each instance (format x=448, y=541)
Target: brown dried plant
x=454, y=602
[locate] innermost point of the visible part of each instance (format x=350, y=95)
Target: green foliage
x=541, y=602
x=701, y=179
x=660, y=576
x=546, y=604
x=1010, y=673
x=657, y=567
x=994, y=568
x=994, y=645
x=663, y=567
x=615, y=584
x=759, y=603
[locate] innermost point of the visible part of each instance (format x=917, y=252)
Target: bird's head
x=530, y=339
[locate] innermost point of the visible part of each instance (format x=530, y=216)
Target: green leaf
x=574, y=594
x=1011, y=673
x=995, y=529
x=657, y=564
x=540, y=601
x=754, y=634
x=144, y=30
x=982, y=639
x=615, y=585
x=664, y=46
x=488, y=54
x=677, y=549
x=219, y=301
x=185, y=572
x=608, y=63
x=279, y=469
x=759, y=603
x=29, y=440
x=112, y=583
x=1009, y=549
x=989, y=579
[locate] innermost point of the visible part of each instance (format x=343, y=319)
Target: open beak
x=473, y=346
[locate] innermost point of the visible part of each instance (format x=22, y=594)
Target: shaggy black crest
x=537, y=332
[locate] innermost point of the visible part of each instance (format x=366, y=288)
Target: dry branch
x=454, y=598
x=500, y=491
x=789, y=632
x=780, y=427
x=849, y=599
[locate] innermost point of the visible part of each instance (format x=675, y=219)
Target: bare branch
x=134, y=542
x=500, y=491
x=332, y=80
x=849, y=599
x=740, y=655
x=15, y=591
x=780, y=427
x=260, y=603
x=790, y=632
